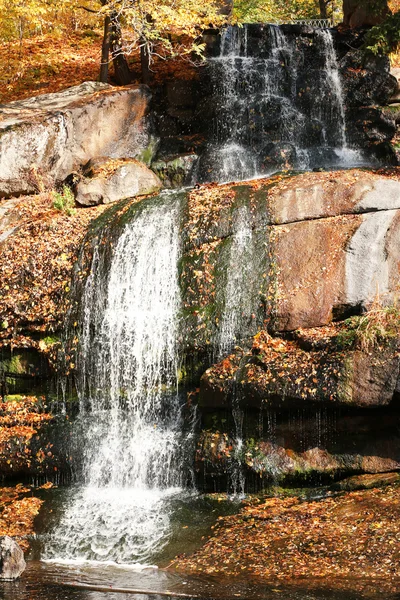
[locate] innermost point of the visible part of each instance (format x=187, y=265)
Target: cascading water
x=238, y=296
x=239, y=303
x=133, y=441
x=279, y=105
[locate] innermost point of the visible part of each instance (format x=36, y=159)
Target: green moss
x=50, y=340
x=381, y=324
x=384, y=38
x=15, y=366
x=146, y=156
x=64, y=201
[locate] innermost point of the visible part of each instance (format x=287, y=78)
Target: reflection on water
x=43, y=581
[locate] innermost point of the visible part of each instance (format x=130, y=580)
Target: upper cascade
x=280, y=106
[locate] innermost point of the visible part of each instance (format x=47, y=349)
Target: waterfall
x=133, y=445
x=280, y=105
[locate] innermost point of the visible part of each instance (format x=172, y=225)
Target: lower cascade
x=132, y=437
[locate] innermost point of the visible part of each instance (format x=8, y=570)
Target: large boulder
x=327, y=266
x=12, y=562
x=366, y=83
x=44, y=139
x=109, y=180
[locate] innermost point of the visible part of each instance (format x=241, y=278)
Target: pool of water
x=191, y=519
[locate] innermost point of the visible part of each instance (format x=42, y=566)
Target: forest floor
x=48, y=64
x=51, y=63
x=354, y=536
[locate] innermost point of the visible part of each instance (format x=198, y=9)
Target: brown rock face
x=319, y=247
x=359, y=13
x=335, y=246
x=311, y=266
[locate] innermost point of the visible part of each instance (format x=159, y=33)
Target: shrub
x=64, y=201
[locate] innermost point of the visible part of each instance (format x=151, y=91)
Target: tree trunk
x=121, y=68
x=323, y=9
x=105, y=50
x=145, y=65
x=361, y=13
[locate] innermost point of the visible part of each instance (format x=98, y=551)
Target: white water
x=133, y=446
x=238, y=306
x=332, y=88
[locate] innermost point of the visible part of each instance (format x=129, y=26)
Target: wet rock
x=370, y=125
x=110, y=180
x=175, y=172
x=226, y=163
x=313, y=134
x=279, y=157
x=366, y=87
x=12, y=563
x=175, y=145
x=45, y=138
x=387, y=153
x=264, y=462
x=367, y=79
x=23, y=368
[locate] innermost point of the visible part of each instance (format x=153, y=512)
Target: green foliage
x=384, y=38
x=259, y=10
x=64, y=201
x=270, y=11
x=369, y=330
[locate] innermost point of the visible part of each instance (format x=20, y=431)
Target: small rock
x=109, y=180
x=11, y=559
